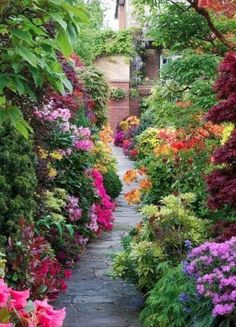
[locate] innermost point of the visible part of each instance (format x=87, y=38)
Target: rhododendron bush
x=213, y=267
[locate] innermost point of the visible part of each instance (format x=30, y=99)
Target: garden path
x=93, y=299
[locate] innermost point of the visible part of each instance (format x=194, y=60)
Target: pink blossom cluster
x=104, y=208
x=15, y=305
x=93, y=224
x=75, y=212
x=214, y=267
x=82, y=139
x=50, y=114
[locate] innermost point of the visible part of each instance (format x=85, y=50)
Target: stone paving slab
x=93, y=299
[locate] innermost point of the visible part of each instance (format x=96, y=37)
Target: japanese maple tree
x=222, y=181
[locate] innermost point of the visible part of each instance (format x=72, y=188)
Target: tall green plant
x=31, y=35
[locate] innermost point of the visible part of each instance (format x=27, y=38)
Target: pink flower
x=7, y=325
x=84, y=145
x=19, y=298
x=47, y=316
x=4, y=293
x=67, y=273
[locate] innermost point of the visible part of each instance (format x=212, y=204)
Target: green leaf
x=41, y=289
x=57, y=17
x=30, y=307
x=19, y=86
x=21, y=129
x=64, y=43
x=2, y=100
x=22, y=35
x=37, y=76
x=58, y=225
x=27, y=55
x=70, y=229
x=3, y=82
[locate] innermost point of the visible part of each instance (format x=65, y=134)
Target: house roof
x=119, y=3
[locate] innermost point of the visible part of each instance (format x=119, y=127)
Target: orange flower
x=145, y=184
x=163, y=149
x=182, y=104
x=133, y=197
x=106, y=134
x=142, y=171
x=130, y=176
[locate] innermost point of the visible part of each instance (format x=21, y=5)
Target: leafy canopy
x=31, y=35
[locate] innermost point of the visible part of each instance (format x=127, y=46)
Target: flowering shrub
x=159, y=238
x=31, y=264
x=125, y=134
x=213, y=266
x=16, y=310
x=104, y=207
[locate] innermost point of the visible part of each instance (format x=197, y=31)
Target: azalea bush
x=126, y=131
x=18, y=310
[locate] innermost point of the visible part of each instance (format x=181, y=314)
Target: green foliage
x=109, y=43
x=177, y=28
x=118, y=94
x=28, y=53
x=147, y=141
x=55, y=202
x=17, y=179
x=133, y=93
x=188, y=79
x=112, y=184
x=165, y=309
x=98, y=89
x=85, y=44
x=190, y=67
x=159, y=240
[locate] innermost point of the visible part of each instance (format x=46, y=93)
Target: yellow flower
x=43, y=153
x=124, y=125
x=56, y=155
x=52, y=172
x=103, y=169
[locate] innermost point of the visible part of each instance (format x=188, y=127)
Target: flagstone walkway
x=93, y=299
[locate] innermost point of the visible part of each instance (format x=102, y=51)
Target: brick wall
x=118, y=110
x=122, y=17
x=151, y=58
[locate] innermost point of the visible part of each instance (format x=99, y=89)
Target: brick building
x=120, y=72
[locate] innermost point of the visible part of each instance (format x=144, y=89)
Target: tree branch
x=213, y=28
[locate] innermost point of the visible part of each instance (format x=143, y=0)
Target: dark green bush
x=17, y=178
x=112, y=184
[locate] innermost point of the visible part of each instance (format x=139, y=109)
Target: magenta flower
x=19, y=298
x=4, y=293
x=84, y=145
